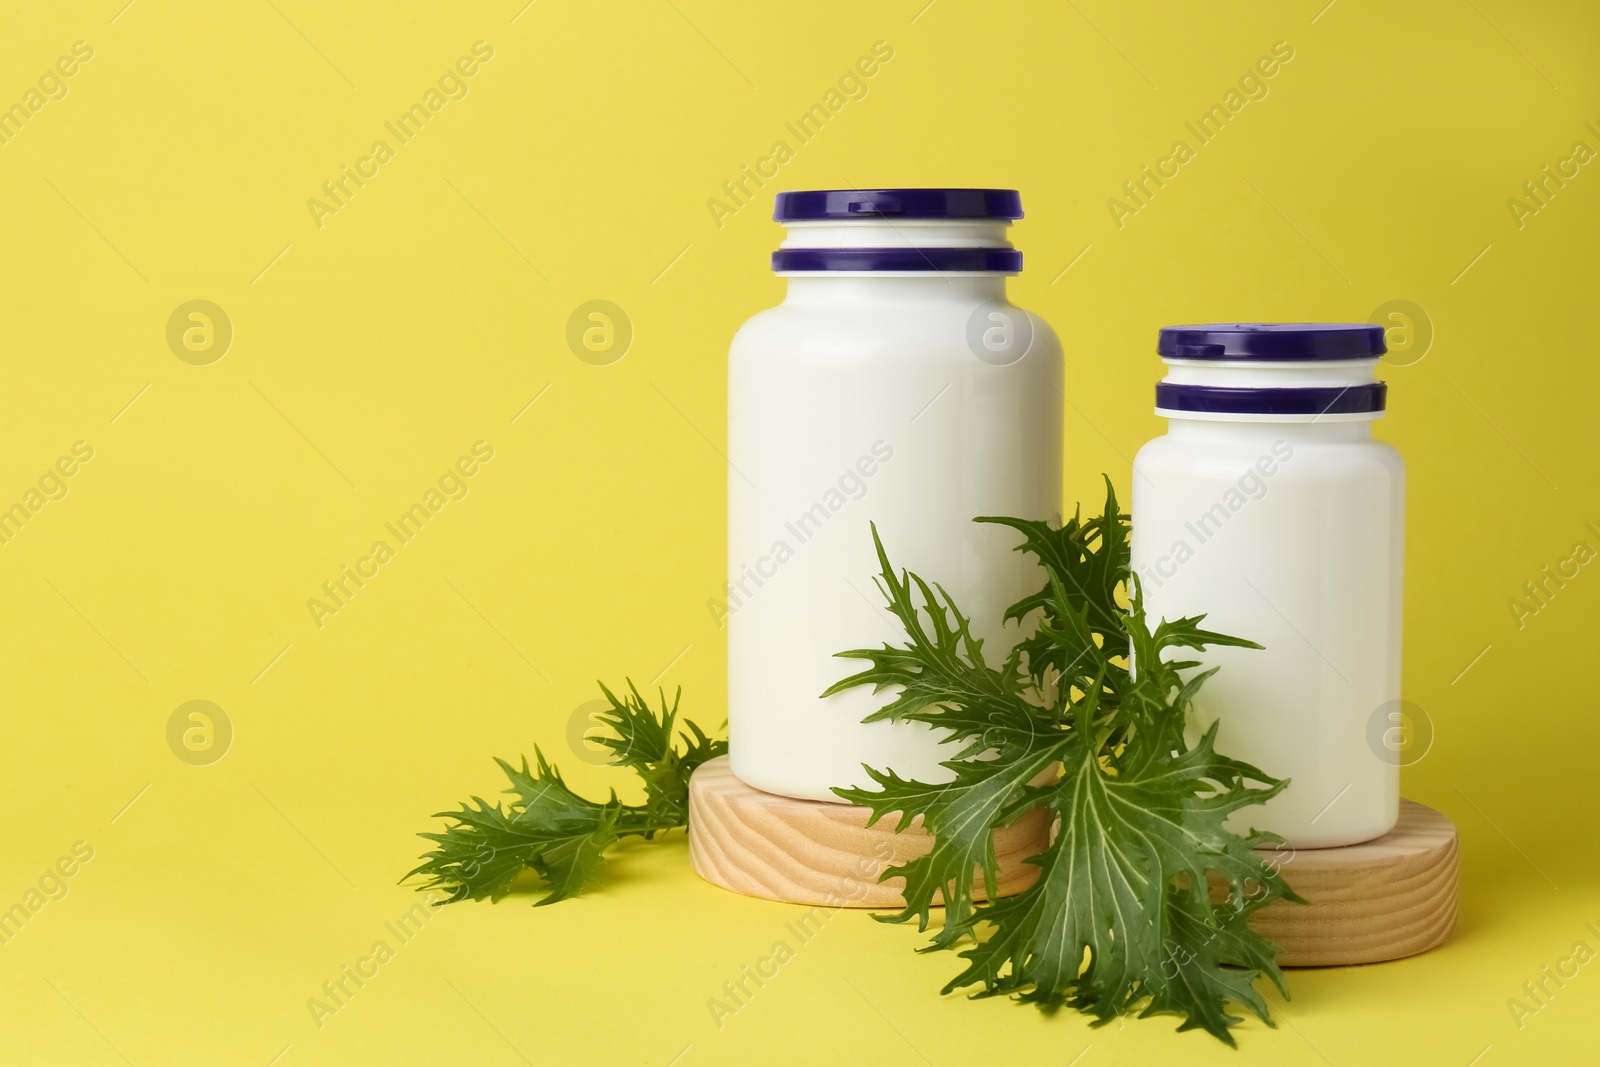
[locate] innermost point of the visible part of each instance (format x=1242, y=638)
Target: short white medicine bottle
x=895, y=384
x=1269, y=508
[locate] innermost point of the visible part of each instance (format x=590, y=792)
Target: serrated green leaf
x=1085, y=561
x=640, y=736
x=1120, y=920
x=940, y=673
x=558, y=834
x=962, y=816
x=574, y=862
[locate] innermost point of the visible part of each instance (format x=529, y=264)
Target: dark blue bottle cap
x=1275, y=341
x=818, y=205
x=898, y=260
x=1368, y=397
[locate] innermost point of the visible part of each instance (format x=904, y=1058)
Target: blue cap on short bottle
x=1268, y=344
x=1288, y=342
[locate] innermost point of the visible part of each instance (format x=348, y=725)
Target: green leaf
x=558, y=834
x=574, y=862
x=962, y=816
x=1087, y=560
x=1120, y=919
x=1132, y=841
x=640, y=736
x=940, y=673
x=479, y=856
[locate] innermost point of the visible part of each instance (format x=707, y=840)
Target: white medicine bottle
x=895, y=384
x=1269, y=508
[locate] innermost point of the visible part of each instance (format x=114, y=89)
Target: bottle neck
x=1317, y=393
x=888, y=287
x=897, y=233
x=1253, y=374
x=880, y=290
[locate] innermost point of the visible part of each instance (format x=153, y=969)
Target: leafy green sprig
x=555, y=832
x=1120, y=919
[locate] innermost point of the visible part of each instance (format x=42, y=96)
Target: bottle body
x=1288, y=531
x=860, y=400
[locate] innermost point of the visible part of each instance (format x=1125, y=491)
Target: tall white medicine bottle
x=895, y=385
x=1269, y=508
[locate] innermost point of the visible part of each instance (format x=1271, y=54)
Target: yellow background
x=370, y=353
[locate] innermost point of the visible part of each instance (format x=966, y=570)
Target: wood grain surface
x=1380, y=900
x=814, y=852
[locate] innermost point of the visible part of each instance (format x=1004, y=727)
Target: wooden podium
x=1375, y=901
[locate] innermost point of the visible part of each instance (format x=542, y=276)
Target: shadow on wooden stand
x=1380, y=900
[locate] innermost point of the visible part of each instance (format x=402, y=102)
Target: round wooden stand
x=814, y=852
x=1381, y=900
